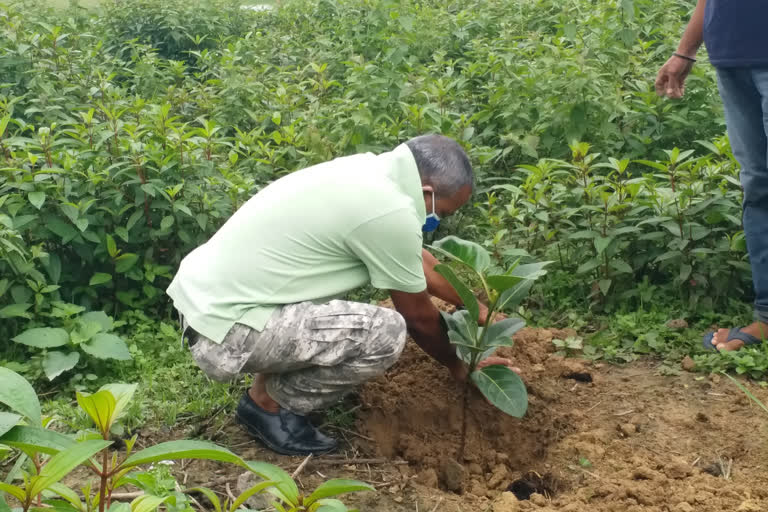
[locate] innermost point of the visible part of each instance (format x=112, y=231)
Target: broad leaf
x=16, y=492
x=68, y=494
x=37, y=199
x=55, y=363
x=18, y=310
x=500, y=333
x=99, y=278
x=515, y=295
x=43, y=337
x=19, y=396
x=98, y=317
x=107, y=346
x=503, y=388
x=601, y=243
x=8, y=420
x=336, y=487
x=124, y=262
x=100, y=406
x=61, y=464
x=284, y=487
x=187, y=449
x=465, y=294
x=122, y=393
x=461, y=324
x=31, y=440
x=469, y=253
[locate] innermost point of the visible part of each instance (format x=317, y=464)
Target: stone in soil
x=453, y=475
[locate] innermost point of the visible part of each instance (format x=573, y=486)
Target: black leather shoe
x=283, y=432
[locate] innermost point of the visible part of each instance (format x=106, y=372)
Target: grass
x=88, y=4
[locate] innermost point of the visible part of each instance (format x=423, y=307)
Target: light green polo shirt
x=312, y=235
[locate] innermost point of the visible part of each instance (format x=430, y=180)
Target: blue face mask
x=432, y=219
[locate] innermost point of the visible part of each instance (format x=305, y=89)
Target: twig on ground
x=593, y=475
x=343, y=462
x=351, y=432
x=437, y=504
x=624, y=413
x=229, y=492
x=590, y=409
x=118, y=496
x=301, y=466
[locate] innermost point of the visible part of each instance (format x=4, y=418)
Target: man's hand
x=498, y=317
x=670, y=81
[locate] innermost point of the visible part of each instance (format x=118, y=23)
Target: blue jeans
x=745, y=96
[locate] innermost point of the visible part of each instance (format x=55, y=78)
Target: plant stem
x=104, y=477
x=463, y=438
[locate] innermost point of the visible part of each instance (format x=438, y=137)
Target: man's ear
x=428, y=189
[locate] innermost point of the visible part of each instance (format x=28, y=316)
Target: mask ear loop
x=433, y=206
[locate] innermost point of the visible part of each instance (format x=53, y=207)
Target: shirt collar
x=405, y=174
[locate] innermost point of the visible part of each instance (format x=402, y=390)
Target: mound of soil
x=597, y=438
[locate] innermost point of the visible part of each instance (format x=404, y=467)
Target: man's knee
x=388, y=333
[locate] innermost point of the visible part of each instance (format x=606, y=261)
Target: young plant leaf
x=187, y=449
x=465, y=294
x=55, y=363
x=337, y=486
x=256, y=489
x=503, y=388
x=514, y=296
x=469, y=253
x=100, y=406
x=500, y=333
x=43, y=337
x=19, y=396
x=8, y=420
x=32, y=440
x=462, y=325
x=16, y=492
x=68, y=494
x=212, y=496
x=105, y=345
x=98, y=317
x=284, y=488
x=147, y=503
x=63, y=462
x=329, y=505
x=122, y=394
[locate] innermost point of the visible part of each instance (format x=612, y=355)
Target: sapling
x=477, y=338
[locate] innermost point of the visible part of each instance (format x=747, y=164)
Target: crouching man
x=258, y=297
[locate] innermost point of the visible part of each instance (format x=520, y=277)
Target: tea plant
x=52, y=456
x=477, y=338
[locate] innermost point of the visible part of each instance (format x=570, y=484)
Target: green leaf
x=500, y=333
x=111, y=246
x=8, y=420
x=469, y=253
x=107, y=346
x=503, y=388
x=31, y=440
x=61, y=464
x=167, y=222
x=512, y=297
x=19, y=396
x=68, y=494
x=37, y=199
x=187, y=449
x=461, y=327
x=329, y=505
x=122, y=393
x=124, y=262
x=602, y=243
x=621, y=266
x=147, y=503
x=284, y=488
x=256, y=489
x=16, y=492
x=504, y=282
x=18, y=310
x=43, y=337
x=55, y=363
x=605, y=285
x=335, y=487
x=465, y=294
x=212, y=497
x=97, y=317
x=100, y=406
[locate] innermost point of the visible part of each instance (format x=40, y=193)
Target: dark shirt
x=736, y=33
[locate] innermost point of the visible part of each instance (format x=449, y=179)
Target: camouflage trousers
x=312, y=355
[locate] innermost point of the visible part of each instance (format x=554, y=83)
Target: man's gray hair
x=442, y=163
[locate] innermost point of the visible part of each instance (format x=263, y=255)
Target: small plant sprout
x=569, y=345
x=475, y=342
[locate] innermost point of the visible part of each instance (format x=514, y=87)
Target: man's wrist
x=685, y=57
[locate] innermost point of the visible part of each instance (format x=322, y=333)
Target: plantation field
x=130, y=132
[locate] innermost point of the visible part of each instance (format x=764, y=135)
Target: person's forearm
x=694, y=32
x=429, y=334
x=437, y=285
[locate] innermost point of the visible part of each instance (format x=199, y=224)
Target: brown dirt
x=630, y=440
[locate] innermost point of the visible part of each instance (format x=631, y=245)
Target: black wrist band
x=681, y=56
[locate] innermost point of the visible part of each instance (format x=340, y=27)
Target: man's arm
x=425, y=326
x=671, y=78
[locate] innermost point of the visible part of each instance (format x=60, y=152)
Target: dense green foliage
x=128, y=136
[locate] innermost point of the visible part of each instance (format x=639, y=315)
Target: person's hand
x=670, y=81
x=496, y=360
x=484, y=315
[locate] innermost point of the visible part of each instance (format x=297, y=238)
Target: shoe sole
x=277, y=449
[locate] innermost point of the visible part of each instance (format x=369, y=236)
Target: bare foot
x=260, y=397
x=758, y=329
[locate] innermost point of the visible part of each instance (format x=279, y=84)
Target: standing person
x=258, y=296
x=736, y=38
